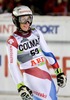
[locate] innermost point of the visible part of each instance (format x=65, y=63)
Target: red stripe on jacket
x=38, y=73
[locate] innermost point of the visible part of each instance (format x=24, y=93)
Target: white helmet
x=20, y=11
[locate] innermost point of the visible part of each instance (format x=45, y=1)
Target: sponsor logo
x=11, y=41
x=7, y=28
x=49, y=29
x=40, y=94
x=11, y=55
x=29, y=44
x=38, y=61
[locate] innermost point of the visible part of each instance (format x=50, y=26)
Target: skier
x=28, y=52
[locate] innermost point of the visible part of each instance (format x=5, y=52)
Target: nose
x=27, y=22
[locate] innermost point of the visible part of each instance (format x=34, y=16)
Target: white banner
x=53, y=28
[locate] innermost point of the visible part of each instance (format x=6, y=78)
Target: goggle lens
x=25, y=19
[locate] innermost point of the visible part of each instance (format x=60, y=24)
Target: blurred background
x=52, y=17
x=39, y=7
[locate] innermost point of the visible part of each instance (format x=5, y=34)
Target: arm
x=47, y=52
x=61, y=78
x=23, y=90
x=12, y=58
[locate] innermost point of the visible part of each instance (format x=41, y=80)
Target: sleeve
x=47, y=52
x=12, y=59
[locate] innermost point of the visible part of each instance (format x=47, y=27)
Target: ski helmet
x=21, y=11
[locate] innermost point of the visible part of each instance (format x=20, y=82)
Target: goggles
x=25, y=19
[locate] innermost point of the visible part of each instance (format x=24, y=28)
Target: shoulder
x=36, y=31
x=12, y=41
